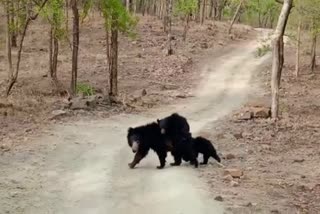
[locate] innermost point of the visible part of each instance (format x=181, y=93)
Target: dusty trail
x=82, y=168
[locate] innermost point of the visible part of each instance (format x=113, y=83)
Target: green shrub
x=263, y=50
x=85, y=89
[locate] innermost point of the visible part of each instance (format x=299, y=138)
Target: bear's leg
x=137, y=158
x=162, y=158
x=216, y=156
x=193, y=156
x=194, y=161
x=205, y=159
x=177, y=160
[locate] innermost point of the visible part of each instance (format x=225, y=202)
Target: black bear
x=204, y=146
x=143, y=138
x=176, y=128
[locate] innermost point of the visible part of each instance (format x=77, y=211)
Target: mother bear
x=176, y=128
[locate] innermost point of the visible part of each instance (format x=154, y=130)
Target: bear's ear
x=130, y=130
x=158, y=121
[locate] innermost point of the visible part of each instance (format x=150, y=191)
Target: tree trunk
x=113, y=64
x=143, y=8
x=198, y=11
x=108, y=45
x=55, y=60
x=211, y=9
x=8, y=43
x=169, y=24
x=50, y=71
x=186, y=27
x=128, y=5
x=235, y=16
x=67, y=15
x=203, y=12
x=75, y=47
x=134, y=2
x=313, y=52
x=277, y=60
x=13, y=25
x=15, y=72
x=220, y=6
x=298, y=48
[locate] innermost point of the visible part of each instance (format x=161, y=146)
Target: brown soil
x=143, y=65
x=279, y=159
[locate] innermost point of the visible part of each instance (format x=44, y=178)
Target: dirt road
x=82, y=167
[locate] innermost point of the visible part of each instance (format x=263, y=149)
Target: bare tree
x=278, y=58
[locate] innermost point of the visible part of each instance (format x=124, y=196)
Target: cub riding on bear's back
x=176, y=128
x=171, y=133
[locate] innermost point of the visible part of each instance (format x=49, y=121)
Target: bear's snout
x=135, y=146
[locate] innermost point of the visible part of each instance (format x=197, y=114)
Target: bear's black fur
x=204, y=146
x=176, y=128
x=143, y=138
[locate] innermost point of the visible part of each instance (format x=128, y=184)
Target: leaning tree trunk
x=169, y=25
x=75, y=47
x=277, y=60
x=235, y=16
x=113, y=63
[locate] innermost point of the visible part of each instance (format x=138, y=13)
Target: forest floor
x=279, y=159
x=166, y=80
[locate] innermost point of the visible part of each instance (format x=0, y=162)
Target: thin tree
x=203, y=11
x=117, y=19
x=313, y=46
x=13, y=73
x=54, y=13
x=75, y=46
x=185, y=8
x=169, y=26
x=297, y=67
x=236, y=14
x=278, y=58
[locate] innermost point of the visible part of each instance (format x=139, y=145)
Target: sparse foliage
x=185, y=9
